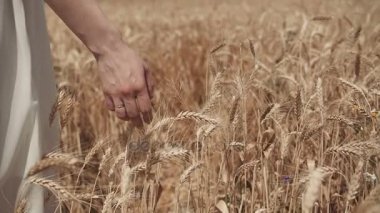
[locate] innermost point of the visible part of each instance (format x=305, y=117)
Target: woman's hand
x=127, y=84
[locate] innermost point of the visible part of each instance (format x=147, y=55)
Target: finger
x=133, y=111
x=148, y=116
x=137, y=121
x=144, y=104
x=120, y=109
x=130, y=106
x=149, y=82
x=109, y=103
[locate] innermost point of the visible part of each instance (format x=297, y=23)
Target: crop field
x=259, y=106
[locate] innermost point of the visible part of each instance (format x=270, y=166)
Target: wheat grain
x=196, y=116
x=233, y=111
x=237, y=146
x=160, y=124
x=108, y=202
x=105, y=159
x=118, y=159
x=290, y=76
x=246, y=166
x=185, y=176
x=353, y=86
x=215, y=94
x=360, y=149
x=298, y=105
x=102, y=143
x=252, y=49
x=173, y=154
x=50, y=162
x=217, y=48
x=54, y=187
x=21, y=206
x=353, y=187
x=321, y=18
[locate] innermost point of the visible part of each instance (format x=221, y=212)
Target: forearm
x=88, y=22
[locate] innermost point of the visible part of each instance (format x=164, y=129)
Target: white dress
x=27, y=92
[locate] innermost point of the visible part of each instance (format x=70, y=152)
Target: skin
x=127, y=84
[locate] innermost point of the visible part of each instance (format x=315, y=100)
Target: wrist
x=104, y=43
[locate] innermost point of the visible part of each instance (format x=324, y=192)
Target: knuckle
x=139, y=81
x=139, y=85
x=125, y=89
x=107, y=91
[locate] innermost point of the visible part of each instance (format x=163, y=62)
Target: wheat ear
x=313, y=187
x=185, y=176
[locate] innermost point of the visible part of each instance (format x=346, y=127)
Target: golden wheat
x=244, y=106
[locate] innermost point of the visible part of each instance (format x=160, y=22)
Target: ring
x=121, y=106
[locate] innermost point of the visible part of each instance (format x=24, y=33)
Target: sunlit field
x=259, y=106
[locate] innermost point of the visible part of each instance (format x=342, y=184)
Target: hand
x=127, y=84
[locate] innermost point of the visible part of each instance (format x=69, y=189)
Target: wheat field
x=259, y=106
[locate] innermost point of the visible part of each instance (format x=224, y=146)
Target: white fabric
x=27, y=92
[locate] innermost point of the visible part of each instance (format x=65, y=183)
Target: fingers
x=120, y=109
x=132, y=110
x=137, y=121
x=109, y=103
x=133, y=104
x=130, y=105
x=148, y=116
x=149, y=82
x=144, y=105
